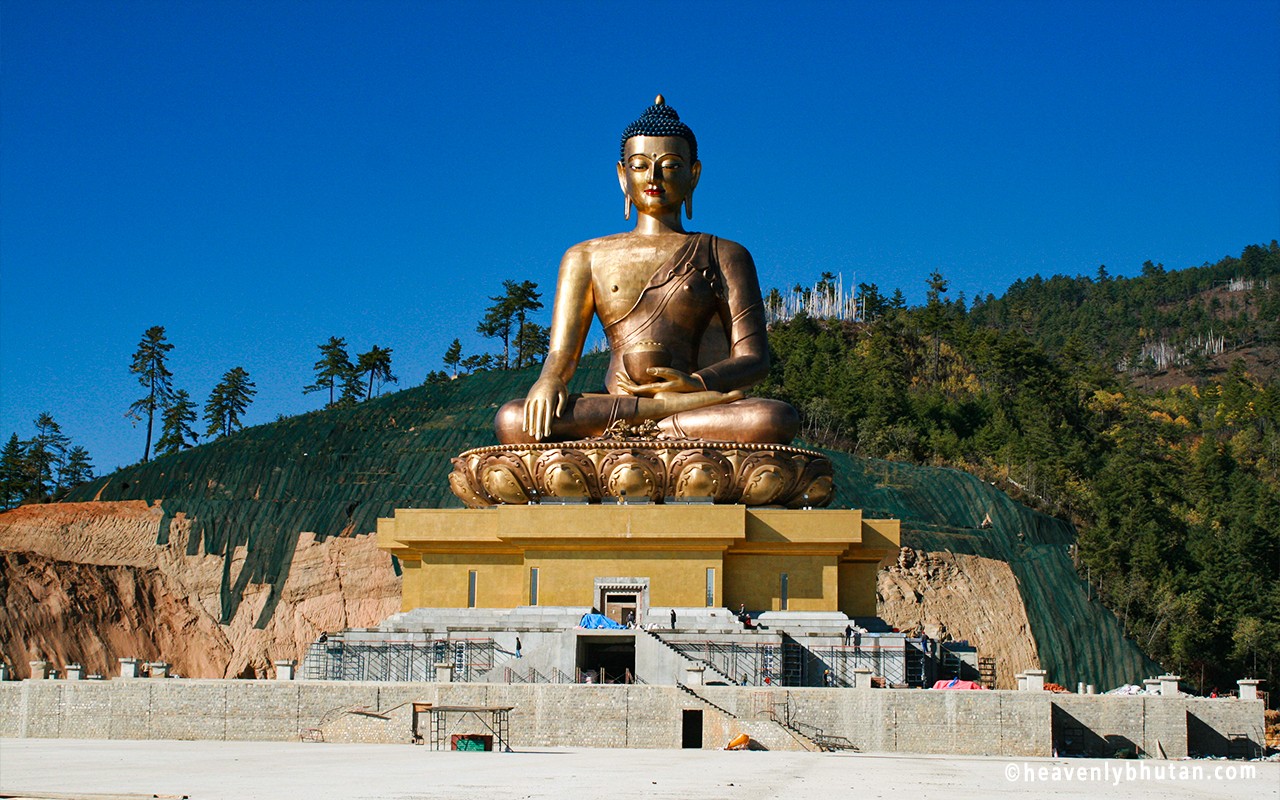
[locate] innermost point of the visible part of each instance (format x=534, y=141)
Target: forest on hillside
x=1144, y=410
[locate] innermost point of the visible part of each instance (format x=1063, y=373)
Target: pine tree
x=46, y=453
x=874, y=304
x=477, y=363
x=15, y=481
x=453, y=356
x=773, y=303
x=826, y=285
x=532, y=344
x=508, y=316
x=376, y=364
x=78, y=468
x=176, y=433
x=525, y=299
x=228, y=401
x=149, y=365
x=497, y=323
x=335, y=372
x=352, y=389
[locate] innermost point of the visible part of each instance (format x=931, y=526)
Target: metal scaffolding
x=531, y=675
x=744, y=664
x=795, y=664
x=338, y=659
x=448, y=724
x=842, y=660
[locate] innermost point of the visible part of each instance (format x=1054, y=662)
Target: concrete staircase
x=673, y=662
x=769, y=733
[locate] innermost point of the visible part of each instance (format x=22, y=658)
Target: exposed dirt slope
x=963, y=596
x=87, y=583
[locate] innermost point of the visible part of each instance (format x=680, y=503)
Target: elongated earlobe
x=688, y=206
x=626, y=206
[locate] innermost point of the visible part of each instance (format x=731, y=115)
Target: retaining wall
x=1007, y=723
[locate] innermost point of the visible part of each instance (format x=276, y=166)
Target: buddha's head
x=659, y=168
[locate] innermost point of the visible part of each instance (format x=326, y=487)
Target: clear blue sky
x=258, y=176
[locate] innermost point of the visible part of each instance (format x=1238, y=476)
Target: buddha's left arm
x=742, y=314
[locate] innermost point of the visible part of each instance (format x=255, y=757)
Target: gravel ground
x=97, y=769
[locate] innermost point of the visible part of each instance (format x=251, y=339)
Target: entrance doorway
x=621, y=607
x=622, y=600
x=691, y=729
x=606, y=659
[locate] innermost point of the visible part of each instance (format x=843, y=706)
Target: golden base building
x=626, y=560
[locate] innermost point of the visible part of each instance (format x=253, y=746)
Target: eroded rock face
x=86, y=583
x=63, y=612
x=966, y=597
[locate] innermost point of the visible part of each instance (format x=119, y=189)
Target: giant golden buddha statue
x=681, y=310
x=686, y=328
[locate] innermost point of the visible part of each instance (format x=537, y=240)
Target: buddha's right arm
x=570, y=321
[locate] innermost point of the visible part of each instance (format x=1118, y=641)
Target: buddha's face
x=657, y=173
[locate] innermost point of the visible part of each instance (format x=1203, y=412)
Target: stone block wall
x=908, y=720
x=1219, y=729
x=637, y=716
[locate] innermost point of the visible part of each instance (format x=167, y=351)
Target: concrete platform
x=89, y=769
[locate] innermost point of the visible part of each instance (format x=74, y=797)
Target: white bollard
x=862, y=678
x=1035, y=680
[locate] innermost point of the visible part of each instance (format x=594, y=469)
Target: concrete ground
x=97, y=770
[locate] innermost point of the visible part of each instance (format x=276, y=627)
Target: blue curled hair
x=659, y=119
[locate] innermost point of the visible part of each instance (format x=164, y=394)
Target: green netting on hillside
x=327, y=472
x=943, y=509
x=335, y=472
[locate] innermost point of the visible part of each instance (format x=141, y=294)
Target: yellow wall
x=567, y=578
x=858, y=588
x=440, y=580
x=882, y=534
x=830, y=556
x=756, y=581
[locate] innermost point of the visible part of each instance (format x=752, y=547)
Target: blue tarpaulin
x=598, y=621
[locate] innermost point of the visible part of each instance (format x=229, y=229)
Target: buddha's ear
x=626, y=198
x=695, y=173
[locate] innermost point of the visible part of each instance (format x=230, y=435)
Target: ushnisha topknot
x=660, y=119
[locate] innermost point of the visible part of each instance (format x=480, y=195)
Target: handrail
x=690, y=691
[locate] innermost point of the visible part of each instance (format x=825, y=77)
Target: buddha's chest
x=648, y=279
